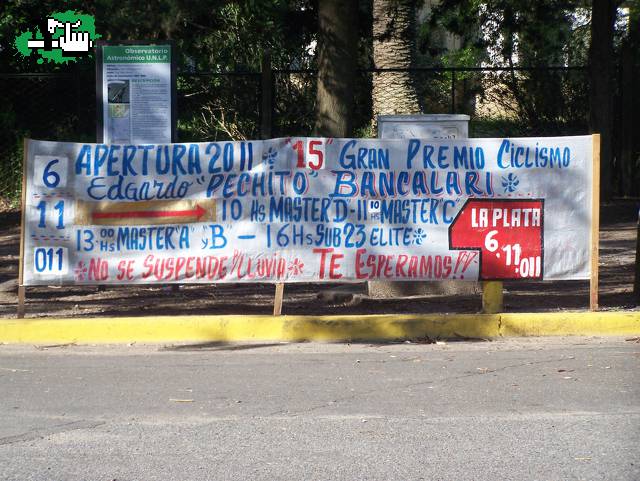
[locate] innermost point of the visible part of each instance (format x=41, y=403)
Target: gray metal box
x=424, y=126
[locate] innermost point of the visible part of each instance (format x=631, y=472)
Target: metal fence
x=218, y=106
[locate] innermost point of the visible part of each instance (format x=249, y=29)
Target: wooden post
x=636, y=282
x=21, y=296
x=266, y=122
x=277, y=301
x=21, y=288
x=492, y=297
x=595, y=223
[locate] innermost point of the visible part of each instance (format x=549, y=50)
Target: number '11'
x=42, y=207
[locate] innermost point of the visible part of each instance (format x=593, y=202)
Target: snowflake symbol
x=419, y=235
x=510, y=183
x=270, y=156
x=296, y=267
x=80, y=271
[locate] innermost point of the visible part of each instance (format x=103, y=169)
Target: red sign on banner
x=507, y=232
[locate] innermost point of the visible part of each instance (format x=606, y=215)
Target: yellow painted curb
x=244, y=328
x=619, y=323
x=385, y=327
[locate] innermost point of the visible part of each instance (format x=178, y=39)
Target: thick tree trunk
x=601, y=80
x=337, y=59
x=634, y=41
x=393, y=35
x=395, y=93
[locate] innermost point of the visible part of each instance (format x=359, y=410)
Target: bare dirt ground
x=617, y=257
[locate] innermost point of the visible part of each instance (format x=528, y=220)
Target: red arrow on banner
x=198, y=212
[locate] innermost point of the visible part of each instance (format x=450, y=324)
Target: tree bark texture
x=395, y=93
x=630, y=104
x=601, y=80
x=393, y=39
x=337, y=61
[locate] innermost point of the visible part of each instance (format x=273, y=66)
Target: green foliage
x=212, y=35
x=216, y=35
x=214, y=107
x=520, y=33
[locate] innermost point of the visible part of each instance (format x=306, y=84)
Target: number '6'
x=50, y=177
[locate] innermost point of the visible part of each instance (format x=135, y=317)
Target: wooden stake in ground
x=277, y=301
x=21, y=288
x=636, y=283
x=595, y=223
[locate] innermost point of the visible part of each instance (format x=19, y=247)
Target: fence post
x=453, y=91
x=266, y=84
x=78, y=86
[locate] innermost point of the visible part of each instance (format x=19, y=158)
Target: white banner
x=307, y=210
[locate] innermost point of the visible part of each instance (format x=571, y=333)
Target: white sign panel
x=308, y=209
x=136, y=94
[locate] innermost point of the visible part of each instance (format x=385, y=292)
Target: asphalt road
x=539, y=409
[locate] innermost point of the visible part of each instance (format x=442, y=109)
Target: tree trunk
x=629, y=160
x=634, y=41
x=601, y=80
x=337, y=59
x=395, y=93
x=627, y=133
x=393, y=35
